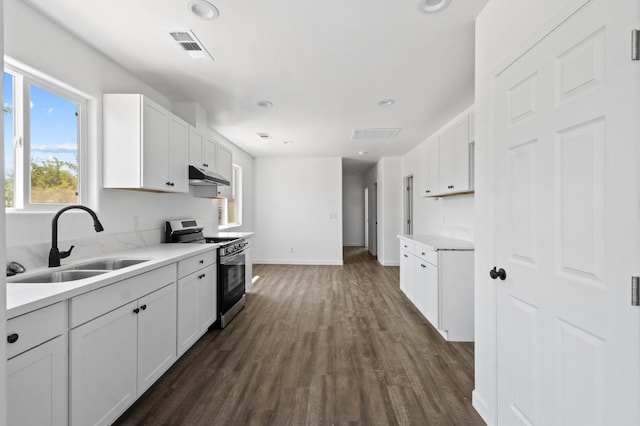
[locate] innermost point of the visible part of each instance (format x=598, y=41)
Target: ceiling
x=324, y=65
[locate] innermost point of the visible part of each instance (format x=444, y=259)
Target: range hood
x=203, y=177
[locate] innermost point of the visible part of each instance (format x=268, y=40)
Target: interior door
x=566, y=206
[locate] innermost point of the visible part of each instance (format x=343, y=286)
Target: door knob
x=500, y=273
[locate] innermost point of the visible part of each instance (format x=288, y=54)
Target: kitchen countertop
x=439, y=242
x=24, y=298
x=231, y=235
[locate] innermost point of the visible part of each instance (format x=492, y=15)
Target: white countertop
x=439, y=242
x=23, y=298
x=231, y=235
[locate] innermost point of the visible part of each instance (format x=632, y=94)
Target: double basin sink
x=78, y=272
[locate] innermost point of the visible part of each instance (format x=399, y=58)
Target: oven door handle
x=228, y=260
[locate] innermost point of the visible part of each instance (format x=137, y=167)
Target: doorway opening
x=408, y=205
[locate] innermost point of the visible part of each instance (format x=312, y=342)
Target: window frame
x=236, y=192
x=23, y=78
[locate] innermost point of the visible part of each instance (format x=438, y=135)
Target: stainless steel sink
x=57, y=276
x=109, y=264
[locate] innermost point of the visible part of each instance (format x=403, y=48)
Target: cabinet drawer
x=194, y=263
x=407, y=246
x=427, y=254
x=98, y=302
x=35, y=327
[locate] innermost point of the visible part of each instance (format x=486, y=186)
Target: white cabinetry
x=248, y=281
x=202, y=151
x=225, y=169
x=37, y=367
x=197, y=298
x=449, y=160
x=439, y=282
x=454, y=158
x=122, y=341
x=144, y=145
x=431, y=174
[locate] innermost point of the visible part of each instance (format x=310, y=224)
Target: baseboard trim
x=481, y=407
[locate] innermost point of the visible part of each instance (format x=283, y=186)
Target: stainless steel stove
x=231, y=264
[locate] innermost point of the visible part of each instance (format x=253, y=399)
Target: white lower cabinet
x=115, y=357
x=439, y=283
x=197, y=298
x=37, y=367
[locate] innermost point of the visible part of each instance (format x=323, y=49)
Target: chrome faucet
x=54, y=254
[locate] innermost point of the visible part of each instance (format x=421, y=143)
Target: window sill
x=229, y=226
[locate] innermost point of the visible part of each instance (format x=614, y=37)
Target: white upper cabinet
x=431, y=174
x=225, y=169
x=145, y=146
x=202, y=151
x=449, y=160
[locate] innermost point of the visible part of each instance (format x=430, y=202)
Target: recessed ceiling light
x=386, y=102
x=433, y=6
x=203, y=9
x=362, y=152
x=287, y=142
x=265, y=104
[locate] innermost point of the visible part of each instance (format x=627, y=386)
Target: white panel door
x=155, y=142
x=102, y=364
x=178, y=152
x=566, y=205
x=156, y=335
x=37, y=385
x=188, y=312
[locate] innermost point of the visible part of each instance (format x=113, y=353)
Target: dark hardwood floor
x=318, y=345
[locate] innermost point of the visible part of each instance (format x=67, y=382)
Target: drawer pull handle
x=136, y=311
x=423, y=253
x=12, y=338
x=201, y=276
x=143, y=307
x=201, y=261
x=406, y=255
x=424, y=266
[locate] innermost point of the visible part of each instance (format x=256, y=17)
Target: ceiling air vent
x=190, y=44
x=374, y=133
x=264, y=136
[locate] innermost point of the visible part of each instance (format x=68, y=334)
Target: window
x=230, y=209
x=42, y=140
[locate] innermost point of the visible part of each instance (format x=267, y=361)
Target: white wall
x=353, y=210
x=501, y=27
x=298, y=211
x=130, y=217
x=387, y=174
x=449, y=216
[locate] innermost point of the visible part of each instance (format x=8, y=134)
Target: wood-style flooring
x=318, y=345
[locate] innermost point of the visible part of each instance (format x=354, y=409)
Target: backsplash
x=37, y=255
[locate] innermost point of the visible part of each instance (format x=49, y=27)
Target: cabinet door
x=208, y=297
x=103, y=355
x=188, y=312
x=225, y=160
x=210, y=155
x=461, y=156
x=196, y=141
x=432, y=182
x=156, y=335
x=407, y=273
x=431, y=294
x=248, y=283
x=177, y=172
x=447, y=152
x=420, y=286
x=37, y=385
x=155, y=142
